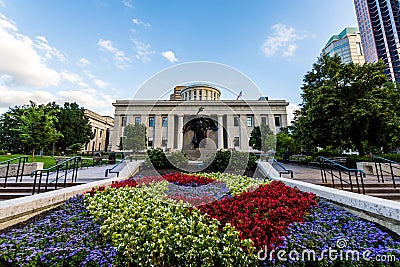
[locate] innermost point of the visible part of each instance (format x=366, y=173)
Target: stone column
x=180, y=133
x=244, y=137
x=117, y=133
x=157, y=131
x=230, y=130
x=170, y=135
x=220, y=132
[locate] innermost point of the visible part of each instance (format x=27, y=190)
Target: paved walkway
x=89, y=174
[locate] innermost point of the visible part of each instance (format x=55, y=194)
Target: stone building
x=194, y=113
x=102, y=127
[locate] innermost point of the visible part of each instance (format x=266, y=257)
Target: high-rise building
x=346, y=45
x=379, y=24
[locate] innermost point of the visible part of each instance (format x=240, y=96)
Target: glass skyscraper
x=379, y=25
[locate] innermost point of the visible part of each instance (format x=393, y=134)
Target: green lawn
x=47, y=160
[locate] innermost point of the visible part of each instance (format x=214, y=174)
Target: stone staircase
x=372, y=187
x=21, y=189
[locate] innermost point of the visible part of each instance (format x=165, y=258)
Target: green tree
x=347, y=105
x=37, y=127
x=73, y=125
x=285, y=142
x=262, y=138
x=134, y=137
x=10, y=139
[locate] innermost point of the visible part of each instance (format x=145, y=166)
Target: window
x=150, y=141
x=123, y=121
x=94, y=133
x=137, y=120
x=236, y=141
x=205, y=95
x=277, y=121
x=164, y=141
x=249, y=121
x=194, y=95
x=164, y=122
x=190, y=95
x=151, y=121
x=200, y=95
x=264, y=121
x=235, y=121
x=101, y=133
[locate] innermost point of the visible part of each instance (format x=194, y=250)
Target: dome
x=200, y=92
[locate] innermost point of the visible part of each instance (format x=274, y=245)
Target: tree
x=285, y=142
x=10, y=139
x=134, y=137
x=37, y=127
x=73, y=125
x=347, y=105
x=262, y=138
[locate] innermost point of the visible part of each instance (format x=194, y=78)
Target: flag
x=239, y=95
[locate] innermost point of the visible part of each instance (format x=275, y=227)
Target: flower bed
x=180, y=219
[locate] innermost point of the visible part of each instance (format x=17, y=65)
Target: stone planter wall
x=28, y=169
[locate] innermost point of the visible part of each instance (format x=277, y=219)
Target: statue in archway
x=200, y=126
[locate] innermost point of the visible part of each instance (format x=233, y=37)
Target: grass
x=48, y=161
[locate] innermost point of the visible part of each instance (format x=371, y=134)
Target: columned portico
x=220, y=132
x=180, y=132
x=233, y=120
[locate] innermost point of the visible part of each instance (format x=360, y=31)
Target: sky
x=96, y=51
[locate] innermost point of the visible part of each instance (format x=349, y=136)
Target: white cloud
x=92, y=100
x=100, y=83
x=20, y=60
x=139, y=22
x=170, y=56
x=143, y=51
x=290, y=109
x=282, y=41
x=2, y=4
x=11, y=97
x=128, y=3
x=71, y=77
x=83, y=62
x=121, y=61
x=50, y=51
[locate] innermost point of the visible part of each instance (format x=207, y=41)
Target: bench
x=60, y=159
x=339, y=160
x=297, y=158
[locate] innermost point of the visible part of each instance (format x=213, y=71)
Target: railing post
x=57, y=171
x=8, y=168
x=377, y=171
x=19, y=164
x=380, y=167
x=391, y=172
x=34, y=183
x=351, y=182
x=25, y=160
x=340, y=177
x=362, y=183
x=358, y=184
x=333, y=180
x=40, y=182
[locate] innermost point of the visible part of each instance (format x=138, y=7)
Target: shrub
x=3, y=152
x=232, y=161
x=177, y=158
x=157, y=158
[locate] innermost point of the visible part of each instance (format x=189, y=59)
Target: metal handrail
x=21, y=160
x=60, y=170
x=334, y=166
x=285, y=171
x=112, y=170
x=381, y=171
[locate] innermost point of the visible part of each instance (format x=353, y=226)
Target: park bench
x=297, y=158
x=60, y=159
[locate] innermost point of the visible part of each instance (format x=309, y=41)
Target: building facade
x=102, y=127
x=171, y=124
x=379, y=24
x=347, y=45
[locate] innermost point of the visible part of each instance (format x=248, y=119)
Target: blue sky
x=96, y=51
